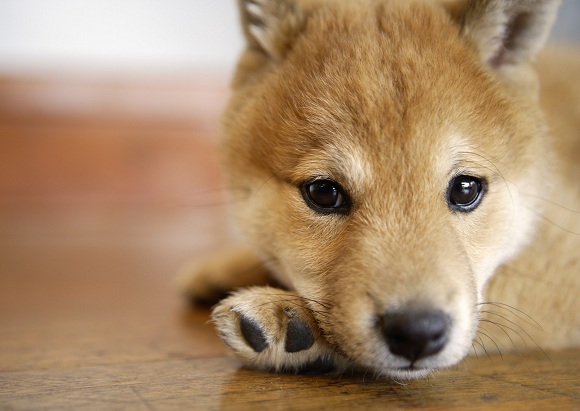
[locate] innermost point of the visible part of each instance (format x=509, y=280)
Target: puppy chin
x=408, y=374
x=422, y=369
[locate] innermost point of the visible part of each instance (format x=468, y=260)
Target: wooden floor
x=100, y=204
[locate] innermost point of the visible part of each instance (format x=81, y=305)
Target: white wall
x=138, y=35
x=118, y=35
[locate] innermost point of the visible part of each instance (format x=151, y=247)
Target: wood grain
x=88, y=317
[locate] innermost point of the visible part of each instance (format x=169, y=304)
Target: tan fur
x=392, y=99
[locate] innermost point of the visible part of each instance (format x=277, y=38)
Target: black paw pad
x=298, y=336
x=253, y=334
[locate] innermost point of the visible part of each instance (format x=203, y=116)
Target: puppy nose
x=415, y=334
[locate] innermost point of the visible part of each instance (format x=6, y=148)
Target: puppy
x=402, y=186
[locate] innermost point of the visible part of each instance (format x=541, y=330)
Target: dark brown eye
x=325, y=197
x=465, y=193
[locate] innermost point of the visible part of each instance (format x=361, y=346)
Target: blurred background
x=108, y=106
x=107, y=36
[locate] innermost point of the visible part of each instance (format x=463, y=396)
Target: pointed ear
x=271, y=26
x=508, y=32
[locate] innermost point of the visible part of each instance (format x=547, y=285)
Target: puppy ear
x=271, y=26
x=508, y=32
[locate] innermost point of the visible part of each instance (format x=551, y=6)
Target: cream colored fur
x=392, y=100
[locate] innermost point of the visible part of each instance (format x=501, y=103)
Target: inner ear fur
x=508, y=32
x=271, y=26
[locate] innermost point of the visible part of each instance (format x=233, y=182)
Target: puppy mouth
x=410, y=372
x=412, y=368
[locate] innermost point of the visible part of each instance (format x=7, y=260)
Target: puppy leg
x=274, y=330
x=210, y=279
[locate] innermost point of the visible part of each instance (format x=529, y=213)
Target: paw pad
x=253, y=334
x=298, y=336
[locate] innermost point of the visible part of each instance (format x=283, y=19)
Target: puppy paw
x=273, y=330
x=207, y=280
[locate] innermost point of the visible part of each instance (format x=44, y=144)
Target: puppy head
x=391, y=152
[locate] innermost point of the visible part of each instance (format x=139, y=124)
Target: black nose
x=415, y=334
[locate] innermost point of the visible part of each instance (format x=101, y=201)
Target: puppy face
x=389, y=172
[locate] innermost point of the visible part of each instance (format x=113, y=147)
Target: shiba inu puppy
x=405, y=186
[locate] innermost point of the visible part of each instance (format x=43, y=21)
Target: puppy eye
x=465, y=193
x=325, y=197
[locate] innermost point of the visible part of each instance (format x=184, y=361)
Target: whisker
x=480, y=165
x=552, y=203
x=220, y=196
x=483, y=346
x=475, y=351
x=466, y=361
x=293, y=301
x=526, y=333
x=493, y=341
x=504, y=318
x=510, y=309
x=476, y=342
x=323, y=305
x=549, y=221
x=288, y=301
x=502, y=328
x=498, y=172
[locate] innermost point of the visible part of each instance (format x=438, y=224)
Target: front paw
x=211, y=278
x=199, y=282
x=273, y=330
